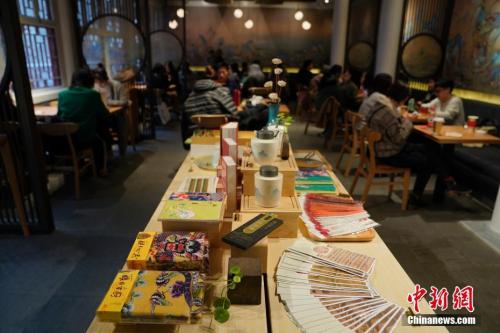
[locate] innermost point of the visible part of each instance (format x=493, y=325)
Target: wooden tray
x=316, y=161
x=365, y=236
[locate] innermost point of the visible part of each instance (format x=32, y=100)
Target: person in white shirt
x=113, y=92
x=446, y=105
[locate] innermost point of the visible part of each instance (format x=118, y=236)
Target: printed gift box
x=173, y=250
x=154, y=296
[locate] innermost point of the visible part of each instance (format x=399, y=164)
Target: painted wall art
x=473, y=51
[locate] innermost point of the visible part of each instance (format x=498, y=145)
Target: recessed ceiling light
x=173, y=24
x=299, y=15
x=238, y=13
x=249, y=24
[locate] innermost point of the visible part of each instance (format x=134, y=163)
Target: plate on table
x=308, y=163
x=206, y=162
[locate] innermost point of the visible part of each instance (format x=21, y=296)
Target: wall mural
x=473, y=52
x=275, y=33
x=166, y=48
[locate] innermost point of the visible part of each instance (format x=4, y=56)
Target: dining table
x=450, y=136
x=456, y=134
x=46, y=113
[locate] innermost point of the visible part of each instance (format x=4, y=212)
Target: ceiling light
x=327, y=1
x=238, y=13
x=249, y=24
x=299, y=15
x=173, y=24
x=306, y=25
x=180, y=12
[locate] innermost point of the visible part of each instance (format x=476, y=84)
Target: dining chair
x=332, y=120
x=79, y=160
x=351, y=144
x=14, y=182
x=305, y=105
x=369, y=168
x=209, y=121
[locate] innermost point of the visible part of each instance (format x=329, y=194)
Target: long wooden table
x=389, y=279
x=467, y=137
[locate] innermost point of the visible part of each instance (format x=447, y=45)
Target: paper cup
x=472, y=121
x=438, y=125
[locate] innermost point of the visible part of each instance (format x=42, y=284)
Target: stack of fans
x=327, y=289
x=328, y=216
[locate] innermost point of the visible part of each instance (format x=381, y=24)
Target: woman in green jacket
x=81, y=104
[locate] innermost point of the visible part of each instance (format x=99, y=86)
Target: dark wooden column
x=77, y=32
x=149, y=66
x=9, y=18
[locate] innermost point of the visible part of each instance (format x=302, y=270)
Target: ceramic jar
x=265, y=147
x=268, y=186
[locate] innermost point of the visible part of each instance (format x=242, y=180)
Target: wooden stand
x=288, y=211
x=288, y=168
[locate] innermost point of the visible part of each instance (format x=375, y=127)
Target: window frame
x=53, y=23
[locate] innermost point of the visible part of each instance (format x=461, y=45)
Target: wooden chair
x=80, y=160
x=351, y=144
x=14, y=181
x=305, y=105
x=332, y=121
x=369, y=167
x=210, y=121
x=322, y=116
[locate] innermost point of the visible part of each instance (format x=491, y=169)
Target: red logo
x=463, y=298
x=416, y=296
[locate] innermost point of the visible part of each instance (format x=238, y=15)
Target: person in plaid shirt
x=394, y=148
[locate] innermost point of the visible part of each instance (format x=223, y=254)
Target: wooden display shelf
x=288, y=211
x=288, y=168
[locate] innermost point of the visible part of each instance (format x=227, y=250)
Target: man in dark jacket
x=207, y=97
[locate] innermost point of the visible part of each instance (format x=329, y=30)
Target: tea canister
x=268, y=186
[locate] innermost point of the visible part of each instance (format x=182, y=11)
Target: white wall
x=389, y=34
